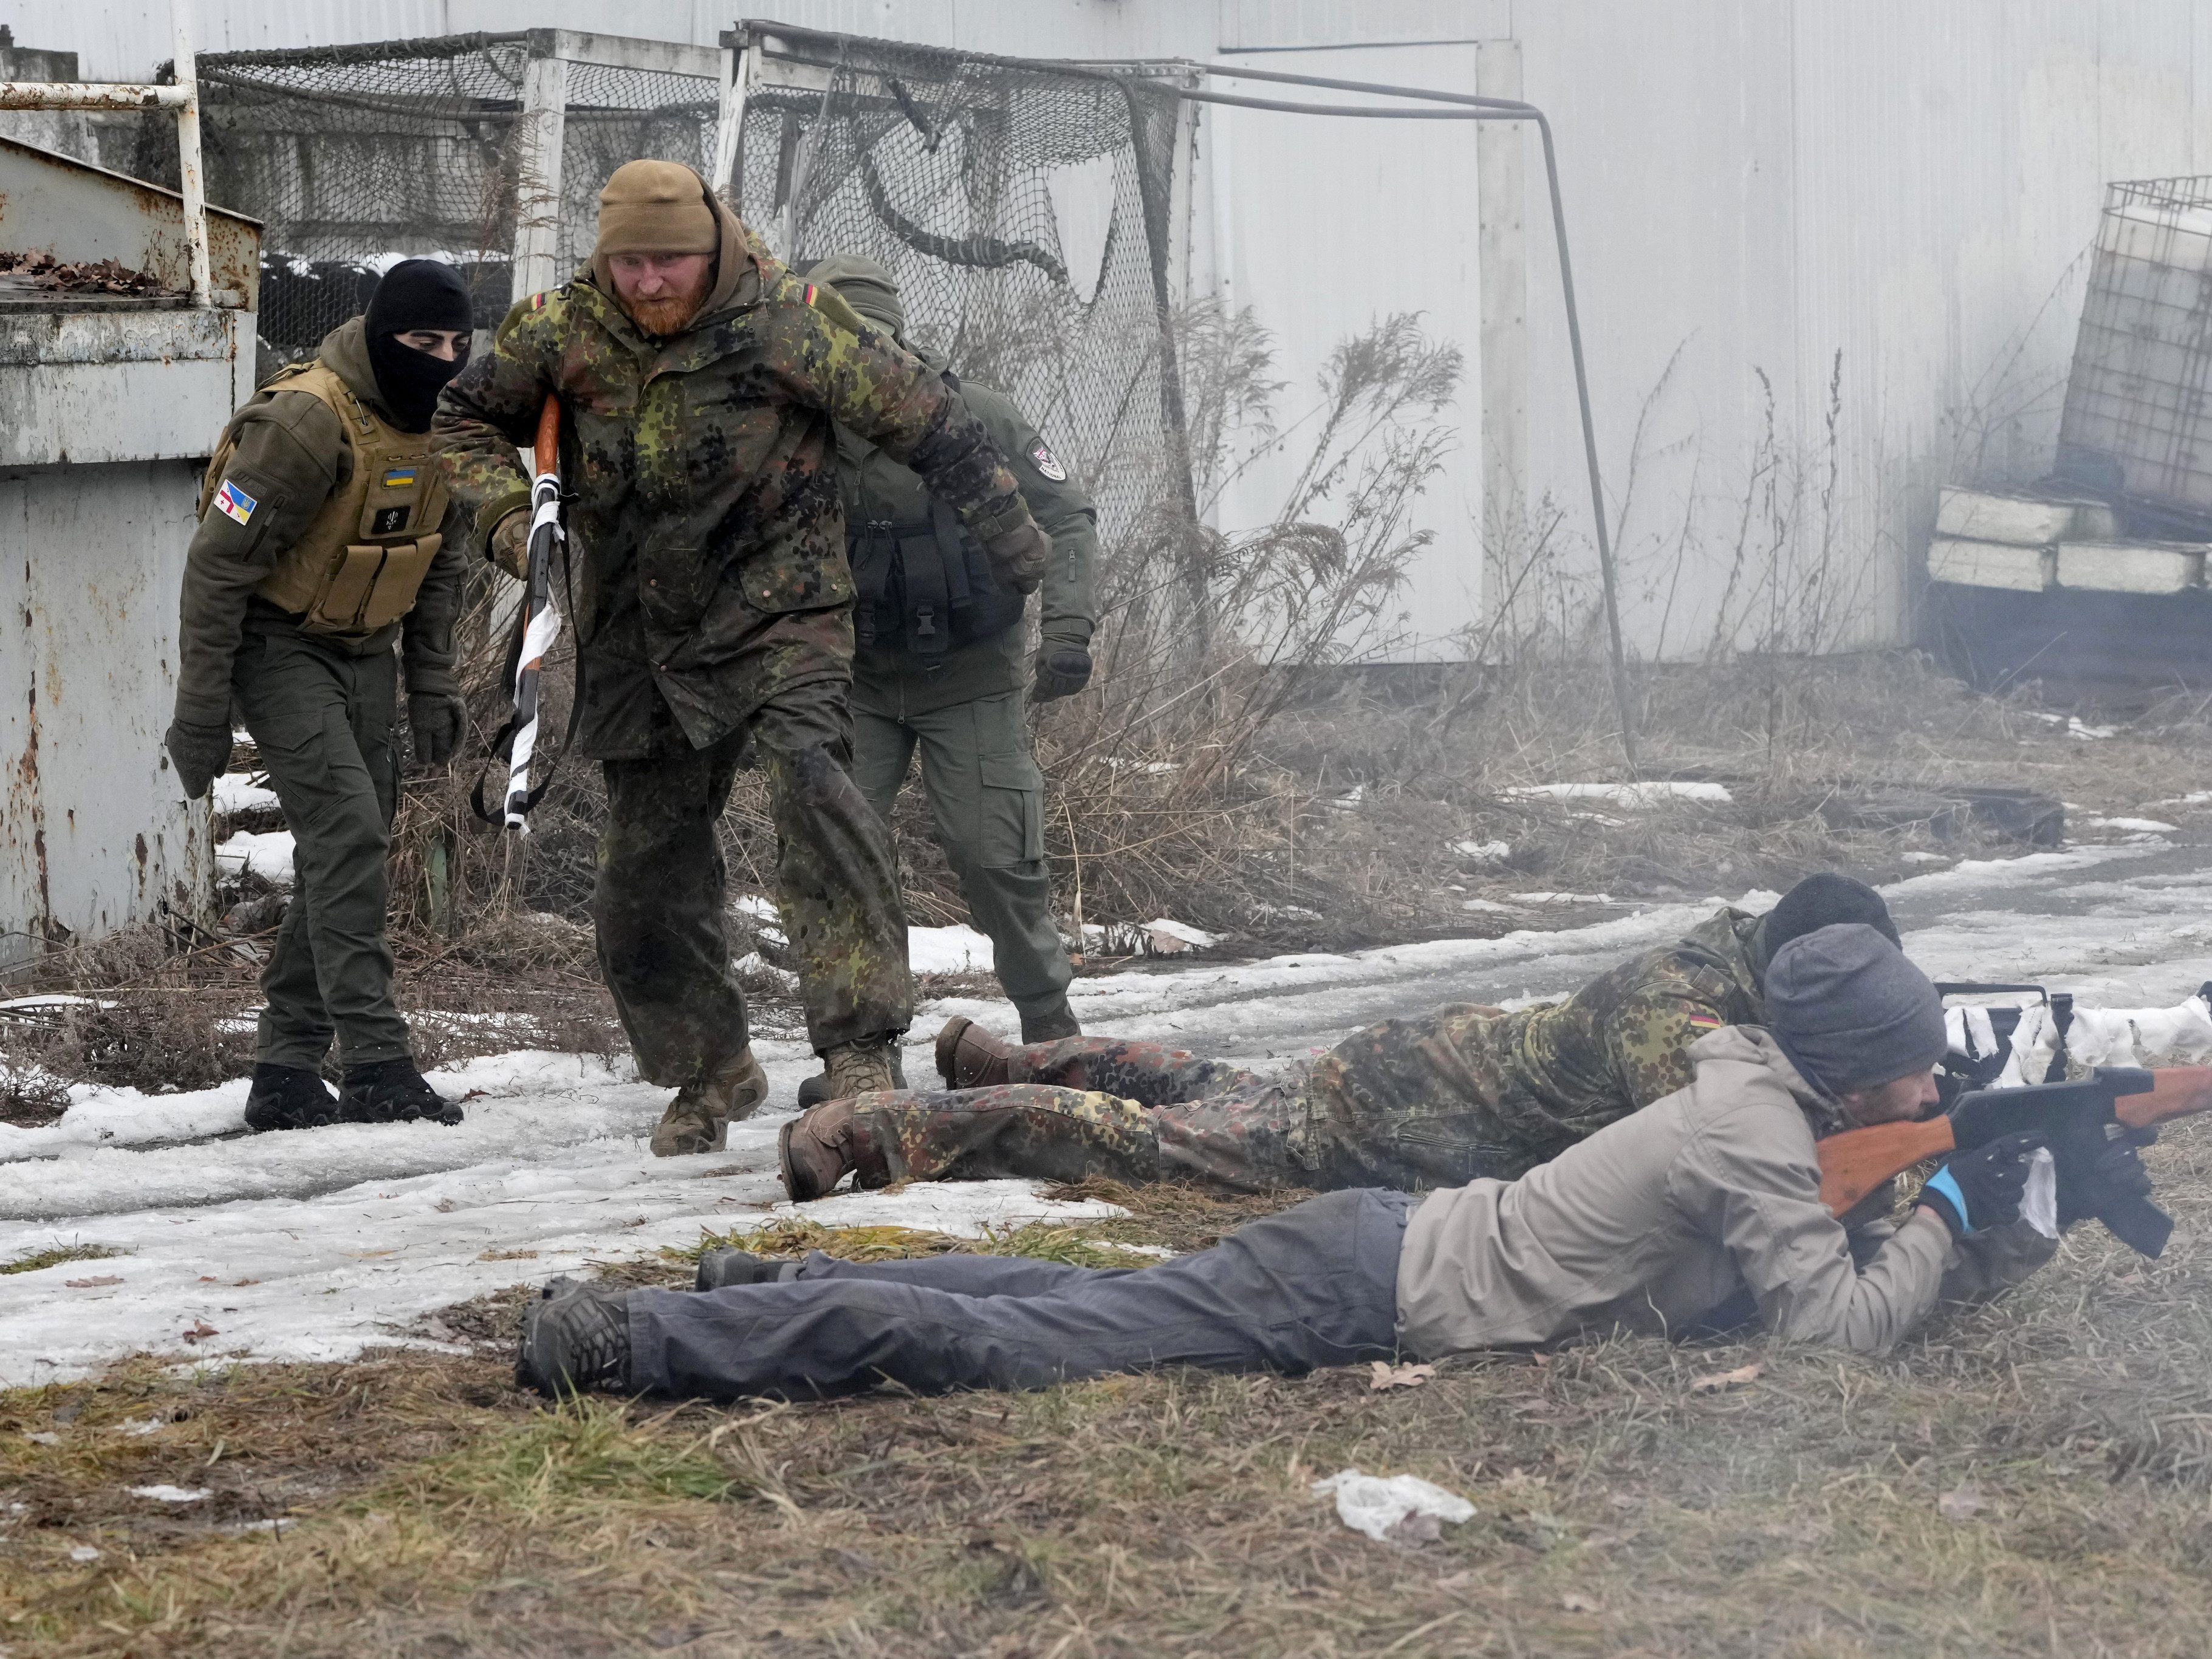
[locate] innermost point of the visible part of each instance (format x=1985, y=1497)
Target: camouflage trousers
x=660, y=900
x=1135, y=1112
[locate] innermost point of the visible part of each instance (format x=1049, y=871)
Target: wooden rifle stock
x=2180, y=1092
x=1857, y=1161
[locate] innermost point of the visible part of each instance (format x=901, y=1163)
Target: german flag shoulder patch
x=1704, y=1019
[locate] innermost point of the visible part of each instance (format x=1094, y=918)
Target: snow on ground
x=268, y=854
x=315, y=1245
x=958, y=948
x=236, y=791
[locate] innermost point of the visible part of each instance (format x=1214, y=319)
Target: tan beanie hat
x=655, y=207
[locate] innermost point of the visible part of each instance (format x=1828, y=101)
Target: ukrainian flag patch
x=234, y=502
x=399, y=477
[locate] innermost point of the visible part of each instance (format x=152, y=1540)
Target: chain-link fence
x=1025, y=211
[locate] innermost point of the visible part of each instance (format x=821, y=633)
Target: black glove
x=1063, y=668
x=1018, y=555
x=436, y=719
x=1976, y=1190
x=201, y=753
x=2108, y=1176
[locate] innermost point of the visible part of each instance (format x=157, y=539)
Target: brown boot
x=818, y=1147
x=861, y=1068
x=1051, y=1025
x=698, y=1120
x=970, y=1057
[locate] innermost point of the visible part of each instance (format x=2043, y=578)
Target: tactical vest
x=358, y=566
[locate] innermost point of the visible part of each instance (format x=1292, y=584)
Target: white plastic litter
x=2039, y=1202
x=1373, y=1504
x=166, y=1493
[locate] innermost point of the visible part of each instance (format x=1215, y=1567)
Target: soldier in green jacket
x=699, y=381
x=943, y=664
x=1460, y=1093
x=321, y=542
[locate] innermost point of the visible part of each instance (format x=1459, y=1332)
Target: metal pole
x=537, y=182
x=189, y=183
x=1495, y=109
x=729, y=129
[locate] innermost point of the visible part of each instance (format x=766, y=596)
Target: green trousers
x=661, y=899
x=322, y=720
x=986, y=797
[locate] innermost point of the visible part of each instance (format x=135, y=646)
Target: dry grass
x=2025, y=1478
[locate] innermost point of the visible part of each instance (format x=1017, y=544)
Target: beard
x=668, y=315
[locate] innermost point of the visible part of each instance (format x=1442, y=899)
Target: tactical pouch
x=366, y=587
x=927, y=587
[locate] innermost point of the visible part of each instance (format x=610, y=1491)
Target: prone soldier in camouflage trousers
x=1465, y=1092
x=699, y=382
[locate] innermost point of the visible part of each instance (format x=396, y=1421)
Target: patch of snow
x=1490, y=906
x=1169, y=937
x=268, y=854
x=1484, y=852
x=2146, y=826
x=236, y=791
x=2077, y=727
x=1632, y=796
x=1927, y=858
x=53, y=1000
x=958, y=948
x=1351, y=802
x=142, y=1426
x=964, y=1209
x=83, y=1552
x=1566, y=898
x=165, y=1493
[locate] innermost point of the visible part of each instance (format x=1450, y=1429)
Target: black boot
x=574, y=1337
x=290, y=1098
x=726, y=1266
x=393, y=1091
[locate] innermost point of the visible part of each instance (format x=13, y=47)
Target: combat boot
x=817, y=1148
x=1051, y=1025
x=816, y=1089
x=970, y=1057
x=721, y=1267
x=393, y=1091
x=862, y=1068
x=289, y=1097
x=575, y=1336
x=698, y=1120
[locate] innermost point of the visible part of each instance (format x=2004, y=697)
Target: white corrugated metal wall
x=1754, y=184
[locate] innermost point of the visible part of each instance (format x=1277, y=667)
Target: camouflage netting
x=1024, y=208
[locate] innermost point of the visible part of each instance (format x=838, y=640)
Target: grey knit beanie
x=866, y=286
x=1849, y=1011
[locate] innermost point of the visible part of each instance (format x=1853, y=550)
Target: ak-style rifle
x=2077, y=1121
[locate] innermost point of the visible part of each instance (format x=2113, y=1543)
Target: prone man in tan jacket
x=1703, y=1205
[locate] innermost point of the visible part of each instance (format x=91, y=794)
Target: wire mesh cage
x=2138, y=414
x=1024, y=209
x=354, y=157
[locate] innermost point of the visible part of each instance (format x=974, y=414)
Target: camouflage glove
x=436, y=720
x=201, y=753
x=510, y=544
x=1063, y=668
x=1019, y=555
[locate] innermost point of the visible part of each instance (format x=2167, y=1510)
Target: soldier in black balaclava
x=321, y=545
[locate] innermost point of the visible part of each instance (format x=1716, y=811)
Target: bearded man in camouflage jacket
x=1461, y=1093
x=700, y=384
